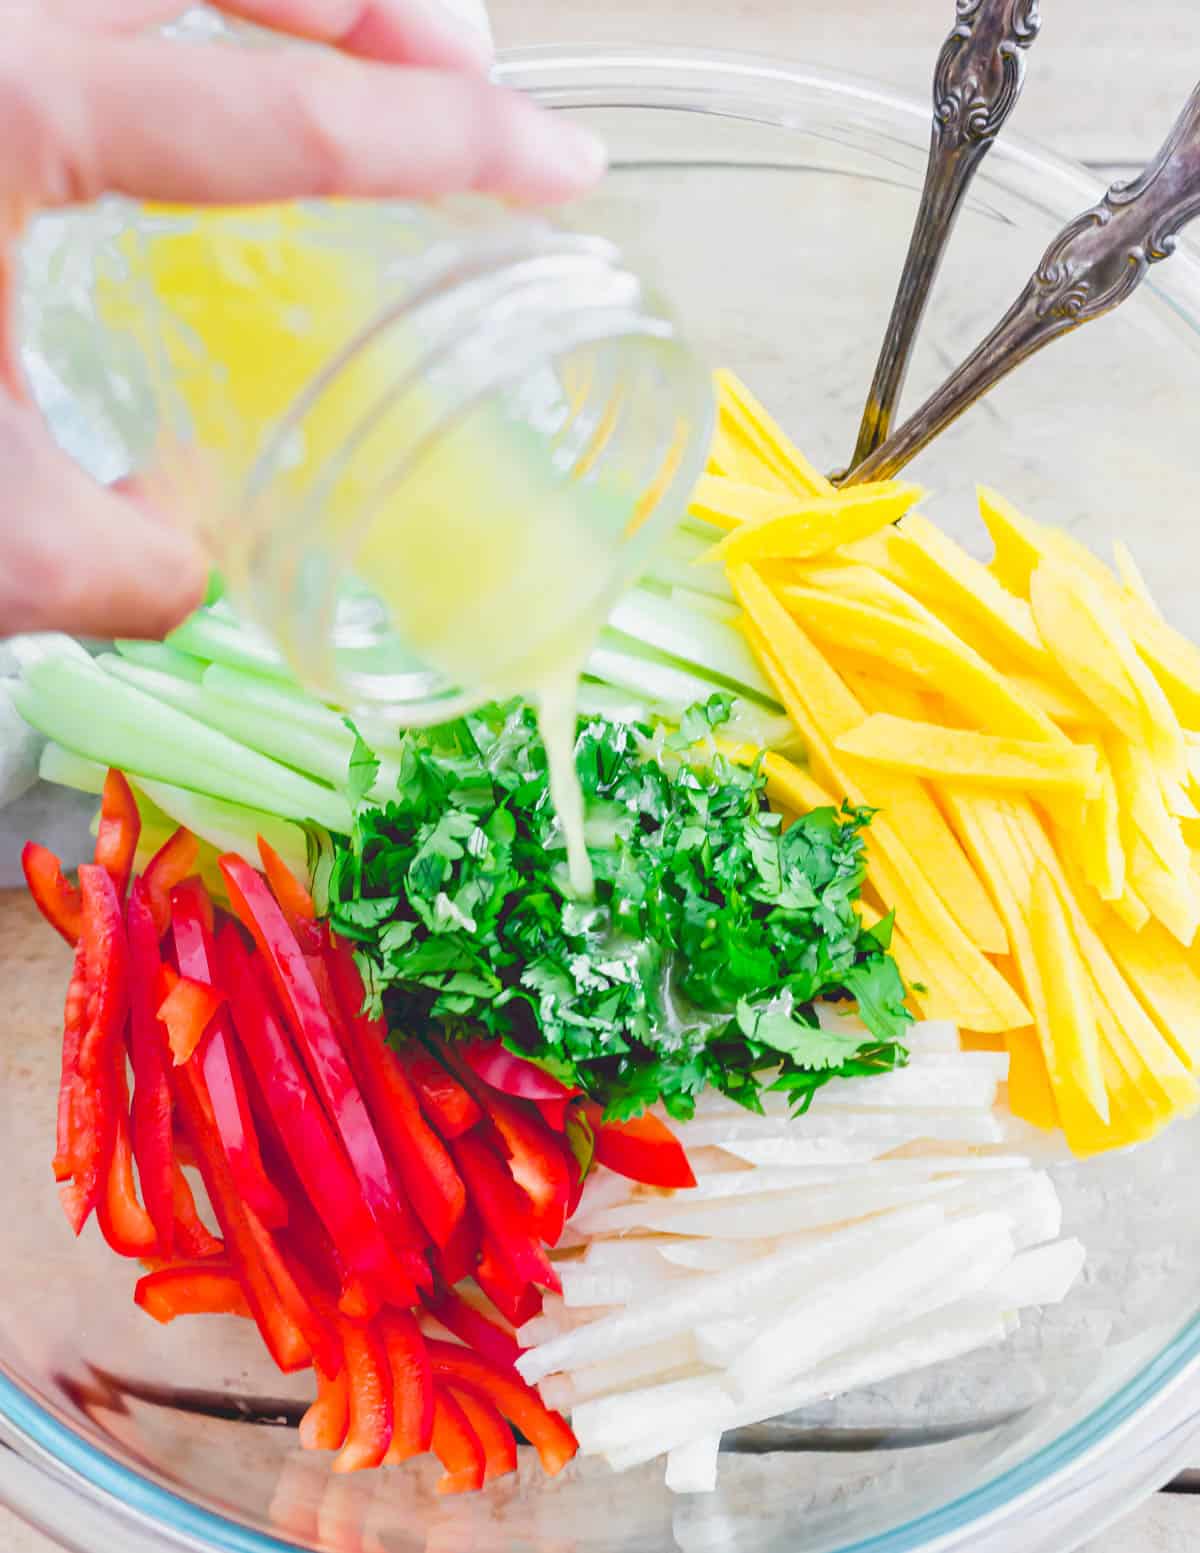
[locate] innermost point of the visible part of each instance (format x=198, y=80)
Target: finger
x=76, y=557
x=148, y=118
x=450, y=36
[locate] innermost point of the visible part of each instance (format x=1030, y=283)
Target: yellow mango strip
x=775, y=449
x=1143, y=807
x=1018, y=541
x=728, y=502
x=1097, y=842
x=1130, y=574
x=817, y=524
x=963, y=985
x=974, y=1041
x=1131, y=908
x=945, y=573
x=1075, y=1038
x=872, y=551
x=906, y=805
x=1172, y=898
x=938, y=661
x=1095, y=652
x=1060, y=702
x=979, y=759
x=731, y=457
x=1029, y=1093
x=1166, y=1085
x=866, y=584
x=877, y=695
x=1173, y=660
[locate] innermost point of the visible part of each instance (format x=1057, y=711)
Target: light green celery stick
x=216, y=635
x=619, y=706
x=631, y=666
x=65, y=768
x=675, y=565
x=277, y=699
x=168, y=660
x=229, y=827
x=723, y=609
x=710, y=646
x=102, y=716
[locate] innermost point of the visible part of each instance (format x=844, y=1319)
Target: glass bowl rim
x=580, y=76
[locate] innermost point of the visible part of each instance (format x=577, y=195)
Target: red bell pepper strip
x=426, y=1170
x=174, y=862
x=192, y=1237
x=53, y=894
x=369, y=1372
x=120, y=827
x=456, y=1446
x=537, y=1160
x=517, y=1300
x=546, y=1431
x=644, y=1149
x=284, y=1340
x=472, y=1327
x=191, y=1289
x=457, y=1258
x=186, y=1011
x=153, y=1139
x=124, y=1222
x=505, y=1210
x=491, y=1430
x=326, y=1423
x=324, y=1172
x=293, y=896
x=446, y=1104
x=512, y=1075
x=325, y=1058
x=74, y=1018
x=318, y=1332
x=412, y=1388
x=218, y=1058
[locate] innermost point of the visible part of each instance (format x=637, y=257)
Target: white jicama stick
x=637, y=1368
x=625, y=1256
x=922, y=1086
x=929, y=1035
x=714, y=1255
x=692, y=1468
x=718, y=1343
x=1043, y=1276
x=1031, y=1203
x=928, y=1340
x=726, y=1293
x=585, y=1289
x=948, y=1262
x=888, y=1129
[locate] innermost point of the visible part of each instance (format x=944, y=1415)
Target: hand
x=88, y=106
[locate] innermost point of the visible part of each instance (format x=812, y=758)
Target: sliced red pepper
x=285, y=1342
x=191, y=1289
x=517, y=1300
x=505, y=1211
x=512, y=1075
x=491, y=1430
x=153, y=1139
x=192, y=1236
x=325, y=1058
x=446, y=1104
x=218, y=1057
x=74, y=1020
x=315, y=1153
x=53, y=894
x=186, y=1011
x=293, y=896
x=546, y=1431
x=325, y=1424
x=472, y=1327
x=124, y=1222
x=456, y=1446
x=644, y=1149
x=412, y=1388
x=457, y=1258
x=120, y=827
x=425, y=1168
x=536, y=1160
x=369, y=1371
x=174, y=862
x=319, y=1333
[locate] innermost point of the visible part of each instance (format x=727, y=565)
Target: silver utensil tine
x=976, y=83
x=1096, y=262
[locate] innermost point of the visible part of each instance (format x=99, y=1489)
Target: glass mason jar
x=426, y=446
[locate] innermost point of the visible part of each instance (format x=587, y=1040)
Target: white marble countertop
x=1103, y=91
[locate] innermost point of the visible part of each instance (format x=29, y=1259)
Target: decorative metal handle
x=1090, y=268
x=978, y=78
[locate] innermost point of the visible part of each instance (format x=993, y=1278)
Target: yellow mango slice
x=1017, y=541
x=817, y=524
x=963, y=755
x=877, y=695
x=1073, y=1056
x=1173, y=660
x=943, y=572
x=1143, y=809
x=1060, y=702
x=1094, y=650
x=729, y=502
x=740, y=410
x=938, y=661
x=905, y=803
x=964, y=985
x=1097, y=841
x=1030, y=1095
x=1130, y=574
x=1131, y=908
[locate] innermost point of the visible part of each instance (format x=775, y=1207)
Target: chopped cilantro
x=712, y=934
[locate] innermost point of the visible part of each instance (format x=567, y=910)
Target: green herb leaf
x=364, y=768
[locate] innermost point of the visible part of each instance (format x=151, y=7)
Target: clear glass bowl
x=773, y=204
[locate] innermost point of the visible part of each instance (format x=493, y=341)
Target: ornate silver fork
x=976, y=83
